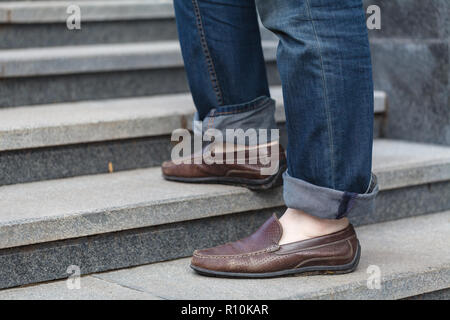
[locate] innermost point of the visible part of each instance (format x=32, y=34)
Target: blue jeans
x=325, y=67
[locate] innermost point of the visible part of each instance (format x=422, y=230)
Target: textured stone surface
x=416, y=19
x=435, y=295
x=82, y=122
x=407, y=202
x=378, y=126
x=90, y=289
x=67, y=208
x=90, y=86
x=411, y=254
x=56, y=11
x=97, y=58
x=74, y=207
x=43, y=262
x=415, y=76
x=402, y=163
x=21, y=166
x=412, y=77
x=380, y=102
x=78, y=73
x=96, y=86
x=43, y=23
x=48, y=261
x=411, y=63
x=45, y=35
x=94, y=133
x=131, y=24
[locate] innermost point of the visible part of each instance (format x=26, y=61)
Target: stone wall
x=411, y=63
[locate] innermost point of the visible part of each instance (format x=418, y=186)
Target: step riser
x=20, y=166
x=48, y=28
x=15, y=36
x=37, y=35
x=443, y=294
x=49, y=261
x=404, y=274
x=97, y=86
x=82, y=159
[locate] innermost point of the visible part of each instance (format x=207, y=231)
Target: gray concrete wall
x=411, y=63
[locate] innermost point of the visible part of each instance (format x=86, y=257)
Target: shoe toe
x=220, y=258
x=169, y=168
x=207, y=261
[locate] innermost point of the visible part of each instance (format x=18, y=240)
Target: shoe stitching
x=209, y=61
x=270, y=249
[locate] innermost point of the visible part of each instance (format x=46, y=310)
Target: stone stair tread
x=29, y=62
x=74, y=207
x=56, y=11
x=411, y=255
x=102, y=120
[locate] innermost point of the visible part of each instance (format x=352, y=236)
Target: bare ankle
x=299, y=225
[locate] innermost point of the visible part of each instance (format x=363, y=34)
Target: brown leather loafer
x=245, y=175
x=260, y=255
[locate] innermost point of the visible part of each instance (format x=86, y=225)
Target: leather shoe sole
x=252, y=184
x=310, y=270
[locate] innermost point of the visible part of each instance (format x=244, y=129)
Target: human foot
x=261, y=255
x=298, y=225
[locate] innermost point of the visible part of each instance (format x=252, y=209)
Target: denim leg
x=325, y=67
x=223, y=57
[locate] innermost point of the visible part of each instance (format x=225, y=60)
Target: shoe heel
x=353, y=265
x=273, y=181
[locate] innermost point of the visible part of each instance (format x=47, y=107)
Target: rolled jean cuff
x=256, y=114
x=327, y=203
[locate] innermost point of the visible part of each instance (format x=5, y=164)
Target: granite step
x=111, y=221
x=34, y=62
x=12, y=12
x=410, y=256
x=71, y=139
x=43, y=23
x=93, y=72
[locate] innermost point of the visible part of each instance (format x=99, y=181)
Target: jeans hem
x=327, y=203
x=256, y=114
